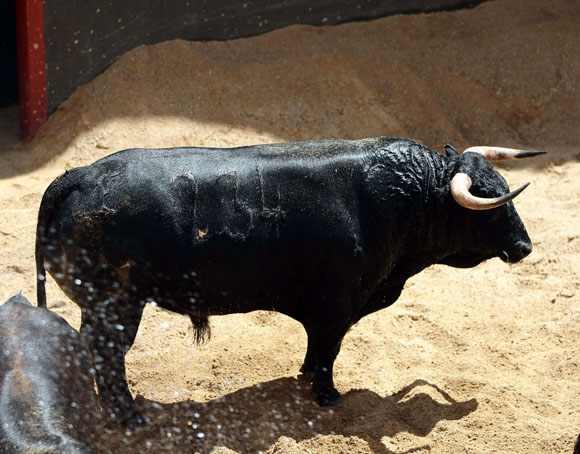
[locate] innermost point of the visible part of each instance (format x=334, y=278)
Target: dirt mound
x=477, y=361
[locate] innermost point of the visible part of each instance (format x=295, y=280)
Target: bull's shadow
x=253, y=419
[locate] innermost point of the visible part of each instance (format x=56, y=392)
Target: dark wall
x=8, y=63
x=83, y=37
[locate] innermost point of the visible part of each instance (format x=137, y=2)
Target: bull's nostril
x=525, y=248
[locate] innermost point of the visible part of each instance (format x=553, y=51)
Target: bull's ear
x=450, y=151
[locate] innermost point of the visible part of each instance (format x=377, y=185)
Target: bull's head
x=477, y=187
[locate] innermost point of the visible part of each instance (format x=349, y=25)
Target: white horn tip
x=502, y=153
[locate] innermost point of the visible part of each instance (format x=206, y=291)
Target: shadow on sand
x=253, y=419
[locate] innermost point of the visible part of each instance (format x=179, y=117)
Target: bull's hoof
x=135, y=421
x=329, y=399
x=132, y=420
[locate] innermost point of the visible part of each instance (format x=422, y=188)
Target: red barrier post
x=31, y=66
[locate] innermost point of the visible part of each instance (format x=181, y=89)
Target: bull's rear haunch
x=325, y=232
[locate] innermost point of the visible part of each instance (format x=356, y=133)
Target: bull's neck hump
x=407, y=176
x=408, y=184
x=418, y=168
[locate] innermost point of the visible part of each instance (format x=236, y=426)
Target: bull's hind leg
x=110, y=329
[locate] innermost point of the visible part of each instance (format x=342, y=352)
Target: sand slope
x=467, y=361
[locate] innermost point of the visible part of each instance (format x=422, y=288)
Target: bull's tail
x=54, y=194
x=40, y=269
x=44, y=213
x=201, y=328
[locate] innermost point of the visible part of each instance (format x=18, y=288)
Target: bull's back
x=245, y=220
x=251, y=196
x=39, y=342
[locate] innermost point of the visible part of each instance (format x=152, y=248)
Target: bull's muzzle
x=520, y=250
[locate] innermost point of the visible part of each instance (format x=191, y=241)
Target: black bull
x=325, y=232
x=48, y=402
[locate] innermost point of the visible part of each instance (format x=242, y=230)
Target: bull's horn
x=503, y=154
x=460, y=185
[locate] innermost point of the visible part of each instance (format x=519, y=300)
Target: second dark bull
x=325, y=232
x=48, y=403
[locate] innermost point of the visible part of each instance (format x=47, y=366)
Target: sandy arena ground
x=485, y=360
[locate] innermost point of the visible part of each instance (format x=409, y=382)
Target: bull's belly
x=226, y=287
x=210, y=285
x=218, y=274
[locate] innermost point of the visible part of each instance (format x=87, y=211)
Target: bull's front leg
x=324, y=340
x=110, y=334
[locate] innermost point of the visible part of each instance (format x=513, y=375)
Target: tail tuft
x=201, y=329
